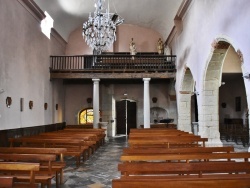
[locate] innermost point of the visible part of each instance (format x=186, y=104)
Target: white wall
x=205, y=22
x=24, y=69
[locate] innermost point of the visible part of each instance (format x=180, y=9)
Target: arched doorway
x=184, y=105
x=209, y=111
x=233, y=124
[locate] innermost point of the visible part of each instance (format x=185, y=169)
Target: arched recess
x=209, y=110
x=184, y=104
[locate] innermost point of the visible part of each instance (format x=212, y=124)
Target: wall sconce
x=21, y=104
x=223, y=105
x=154, y=99
x=8, y=102
x=89, y=100
x=246, y=75
x=45, y=106
x=56, y=106
x=30, y=104
x=196, y=93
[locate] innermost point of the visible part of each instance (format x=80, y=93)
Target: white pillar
x=96, y=113
x=146, y=104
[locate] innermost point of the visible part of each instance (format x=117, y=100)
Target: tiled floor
x=101, y=168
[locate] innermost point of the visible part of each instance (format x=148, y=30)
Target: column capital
x=146, y=79
x=96, y=80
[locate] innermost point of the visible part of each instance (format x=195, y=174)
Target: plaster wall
x=76, y=99
x=146, y=42
x=145, y=39
x=24, y=69
x=204, y=22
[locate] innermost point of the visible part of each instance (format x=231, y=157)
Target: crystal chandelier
x=99, y=30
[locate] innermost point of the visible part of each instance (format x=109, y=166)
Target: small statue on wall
x=167, y=50
x=132, y=47
x=160, y=46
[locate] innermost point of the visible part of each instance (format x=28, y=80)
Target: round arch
x=184, y=104
x=209, y=109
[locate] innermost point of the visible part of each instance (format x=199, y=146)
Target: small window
x=47, y=24
x=86, y=116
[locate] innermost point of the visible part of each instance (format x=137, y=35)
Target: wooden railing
x=114, y=62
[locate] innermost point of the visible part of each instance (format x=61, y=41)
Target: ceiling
x=70, y=14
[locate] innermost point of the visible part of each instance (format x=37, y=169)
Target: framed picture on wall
x=237, y=104
x=21, y=104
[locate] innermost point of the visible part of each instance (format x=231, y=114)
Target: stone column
x=146, y=104
x=96, y=113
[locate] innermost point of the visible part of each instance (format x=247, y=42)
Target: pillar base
x=214, y=143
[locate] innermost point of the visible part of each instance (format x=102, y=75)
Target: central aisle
x=99, y=170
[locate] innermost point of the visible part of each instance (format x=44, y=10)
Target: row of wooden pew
x=33, y=161
x=158, y=158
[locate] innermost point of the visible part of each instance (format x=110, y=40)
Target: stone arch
x=209, y=109
x=184, y=104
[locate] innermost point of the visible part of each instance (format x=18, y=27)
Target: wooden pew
x=96, y=135
x=99, y=132
x=236, y=181
x=163, y=137
x=160, y=130
x=183, y=174
x=44, y=175
x=74, y=147
x=90, y=144
x=26, y=150
x=166, y=141
x=8, y=167
x=195, y=169
x=89, y=139
x=186, y=157
x=132, y=135
x=56, y=166
x=153, y=150
x=6, y=181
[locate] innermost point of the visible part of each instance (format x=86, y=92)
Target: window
x=86, y=116
x=47, y=24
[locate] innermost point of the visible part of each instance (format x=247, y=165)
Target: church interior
x=110, y=78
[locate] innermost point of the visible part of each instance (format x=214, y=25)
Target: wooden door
x=121, y=117
x=131, y=115
x=125, y=116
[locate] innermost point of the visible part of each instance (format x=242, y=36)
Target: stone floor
x=101, y=168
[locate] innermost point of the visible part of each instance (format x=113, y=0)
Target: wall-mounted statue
x=167, y=50
x=132, y=47
x=160, y=46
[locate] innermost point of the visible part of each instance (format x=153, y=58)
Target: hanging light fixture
x=99, y=30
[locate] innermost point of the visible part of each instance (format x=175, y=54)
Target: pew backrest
x=16, y=166
x=153, y=150
x=241, y=156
